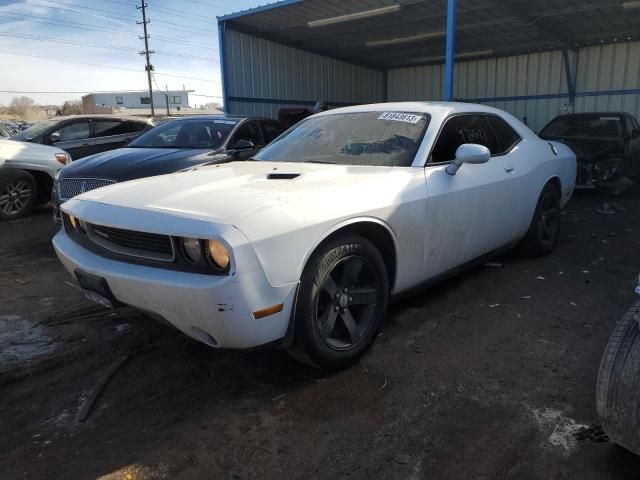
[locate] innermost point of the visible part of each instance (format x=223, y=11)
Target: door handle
x=508, y=168
x=85, y=144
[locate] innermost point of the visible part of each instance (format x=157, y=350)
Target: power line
x=177, y=13
x=21, y=92
x=89, y=27
x=175, y=27
x=105, y=66
x=100, y=45
x=206, y=96
x=120, y=16
x=210, y=5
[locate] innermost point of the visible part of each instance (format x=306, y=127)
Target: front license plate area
x=96, y=289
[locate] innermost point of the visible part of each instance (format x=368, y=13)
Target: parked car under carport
x=607, y=145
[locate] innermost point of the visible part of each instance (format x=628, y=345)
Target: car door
x=250, y=131
x=471, y=213
x=74, y=137
x=111, y=134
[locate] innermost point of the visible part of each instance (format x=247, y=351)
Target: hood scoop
x=282, y=176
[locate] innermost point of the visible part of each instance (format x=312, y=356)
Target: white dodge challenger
x=302, y=246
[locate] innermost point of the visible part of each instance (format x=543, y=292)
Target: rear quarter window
x=506, y=136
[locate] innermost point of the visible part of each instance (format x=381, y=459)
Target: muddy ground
x=488, y=376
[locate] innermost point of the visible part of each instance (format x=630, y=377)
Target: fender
x=13, y=165
x=343, y=224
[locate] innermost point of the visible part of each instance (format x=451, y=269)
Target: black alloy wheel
x=343, y=297
x=17, y=195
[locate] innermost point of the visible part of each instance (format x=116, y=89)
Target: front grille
x=70, y=187
x=130, y=243
x=131, y=246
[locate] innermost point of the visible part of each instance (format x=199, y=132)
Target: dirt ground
x=490, y=375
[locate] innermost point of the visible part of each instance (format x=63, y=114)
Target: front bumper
x=216, y=310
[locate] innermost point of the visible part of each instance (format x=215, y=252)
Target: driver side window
x=74, y=131
x=463, y=129
x=248, y=131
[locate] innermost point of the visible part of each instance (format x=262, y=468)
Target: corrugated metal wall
x=264, y=76
x=609, y=68
x=534, y=85
x=508, y=83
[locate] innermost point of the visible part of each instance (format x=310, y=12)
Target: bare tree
x=212, y=106
x=70, y=107
x=22, y=106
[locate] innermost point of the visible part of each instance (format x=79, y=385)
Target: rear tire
x=618, y=388
x=542, y=236
x=18, y=193
x=343, y=298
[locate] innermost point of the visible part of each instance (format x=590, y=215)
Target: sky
x=45, y=46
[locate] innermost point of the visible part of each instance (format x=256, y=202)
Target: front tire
x=618, y=395
x=343, y=298
x=18, y=193
x=542, y=236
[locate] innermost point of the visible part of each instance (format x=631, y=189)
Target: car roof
x=443, y=108
x=595, y=114
x=99, y=117
x=439, y=111
x=216, y=117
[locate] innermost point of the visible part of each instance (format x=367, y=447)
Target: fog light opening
x=203, y=336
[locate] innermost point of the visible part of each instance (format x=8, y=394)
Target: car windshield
x=368, y=138
x=205, y=134
x=601, y=126
x=34, y=131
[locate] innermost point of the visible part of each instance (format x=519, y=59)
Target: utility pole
x=166, y=88
x=148, y=67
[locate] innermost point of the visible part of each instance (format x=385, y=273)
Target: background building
x=135, y=101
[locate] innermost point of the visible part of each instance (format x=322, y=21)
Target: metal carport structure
x=534, y=58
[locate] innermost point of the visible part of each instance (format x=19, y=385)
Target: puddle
x=22, y=341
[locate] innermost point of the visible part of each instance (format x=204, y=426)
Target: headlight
x=63, y=158
x=192, y=249
x=218, y=254
x=73, y=221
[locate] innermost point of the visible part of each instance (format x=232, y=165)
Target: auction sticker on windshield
x=400, y=117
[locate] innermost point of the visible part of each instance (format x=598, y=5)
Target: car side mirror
x=635, y=133
x=468, y=153
x=241, y=146
x=52, y=138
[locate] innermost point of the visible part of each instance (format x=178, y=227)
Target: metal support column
x=451, y=50
x=571, y=74
x=223, y=61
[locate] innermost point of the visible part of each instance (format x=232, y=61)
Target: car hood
x=587, y=148
x=253, y=191
x=26, y=155
x=125, y=164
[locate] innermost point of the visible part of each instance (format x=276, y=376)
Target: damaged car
x=607, y=146
x=303, y=246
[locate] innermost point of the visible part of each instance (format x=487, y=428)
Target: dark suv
x=83, y=135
